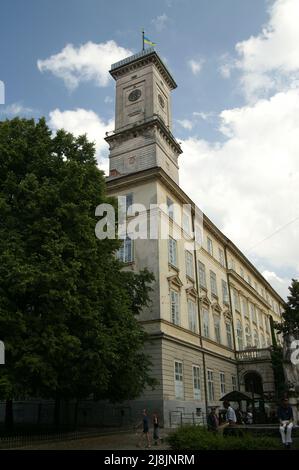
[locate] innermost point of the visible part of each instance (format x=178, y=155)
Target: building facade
x=210, y=315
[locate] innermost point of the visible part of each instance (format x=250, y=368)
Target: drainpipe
x=231, y=307
x=199, y=327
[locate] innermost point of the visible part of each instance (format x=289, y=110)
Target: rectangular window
x=221, y=257
x=178, y=379
x=175, y=307
x=222, y=383
x=205, y=314
x=213, y=283
x=192, y=316
x=229, y=339
x=186, y=224
x=236, y=300
x=196, y=382
x=244, y=307
x=253, y=313
x=217, y=328
x=169, y=208
x=129, y=203
x=125, y=252
x=224, y=292
x=210, y=246
x=232, y=264
x=249, y=280
x=234, y=382
x=172, y=251
x=242, y=272
x=211, y=394
x=189, y=264
x=202, y=275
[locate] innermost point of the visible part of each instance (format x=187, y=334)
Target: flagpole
x=143, y=39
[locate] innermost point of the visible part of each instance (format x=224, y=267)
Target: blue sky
x=235, y=109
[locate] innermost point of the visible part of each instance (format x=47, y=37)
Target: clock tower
x=142, y=138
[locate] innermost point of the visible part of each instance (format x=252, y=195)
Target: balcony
x=254, y=354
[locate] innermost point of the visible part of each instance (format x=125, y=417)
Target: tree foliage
x=290, y=316
x=67, y=308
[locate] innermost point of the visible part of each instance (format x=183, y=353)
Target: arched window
x=239, y=335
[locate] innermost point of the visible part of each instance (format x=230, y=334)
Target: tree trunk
x=9, y=415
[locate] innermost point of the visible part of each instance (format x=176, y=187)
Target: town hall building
x=211, y=312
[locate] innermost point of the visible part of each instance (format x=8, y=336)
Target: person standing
x=213, y=421
x=285, y=416
x=231, y=418
x=145, y=430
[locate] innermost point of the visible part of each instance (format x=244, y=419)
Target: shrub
x=198, y=438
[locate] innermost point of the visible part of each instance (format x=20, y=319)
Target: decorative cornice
x=133, y=130
x=191, y=291
x=141, y=59
x=175, y=280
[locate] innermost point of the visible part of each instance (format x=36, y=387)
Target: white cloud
x=89, y=62
x=82, y=121
x=195, y=65
x=108, y=99
x=15, y=109
x=249, y=183
x=185, y=123
x=202, y=115
x=280, y=284
x=160, y=22
x=270, y=61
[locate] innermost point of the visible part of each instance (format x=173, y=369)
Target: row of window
x=189, y=260
x=197, y=385
x=126, y=254
x=251, y=339
x=250, y=311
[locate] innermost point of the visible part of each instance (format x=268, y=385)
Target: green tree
x=67, y=309
x=290, y=316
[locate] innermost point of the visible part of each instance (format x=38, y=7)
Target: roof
x=148, y=55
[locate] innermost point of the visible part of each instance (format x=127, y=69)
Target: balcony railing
x=254, y=354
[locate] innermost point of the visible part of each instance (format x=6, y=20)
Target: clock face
x=161, y=101
x=134, y=95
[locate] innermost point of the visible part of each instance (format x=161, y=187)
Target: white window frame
x=178, y=379
x=211, y=388
x=172, y=251
x=222, y=383
x=225, y=296
x=202, y=275
x=192, y=315
x=221, y=257
x=206, y=322
x=229, y=336
x=196, y=375
x=240, y=337
x=213, y=282
x=189, y=264
x=126, y=252
x=174, y=307
x=217, y=329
